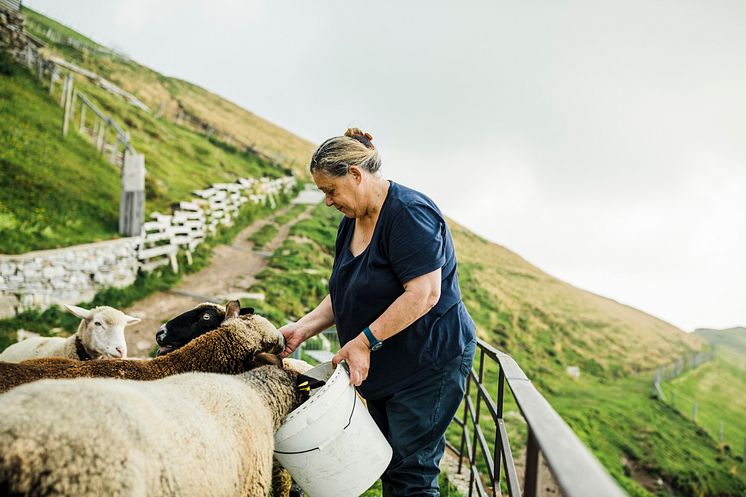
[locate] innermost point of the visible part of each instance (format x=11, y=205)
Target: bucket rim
x=331, y=382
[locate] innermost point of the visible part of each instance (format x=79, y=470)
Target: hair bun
x=353, y=132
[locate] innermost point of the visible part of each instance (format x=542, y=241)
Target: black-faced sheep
x=100, y=334
x=187, y=326
x=230, y=349
x=189, y=435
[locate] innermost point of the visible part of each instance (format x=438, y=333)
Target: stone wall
x=12, y=37
x=68, y=275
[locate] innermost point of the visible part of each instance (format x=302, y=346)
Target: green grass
x=264, y=235
x=42, y=172
x=719, y=389
x=290, y=215
x=634, y=434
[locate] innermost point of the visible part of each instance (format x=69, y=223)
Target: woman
x=394, y=297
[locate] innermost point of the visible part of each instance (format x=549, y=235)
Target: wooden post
x=52, y=80
x=64, y=90
x=82, y=117
x=68, y=104
x=132, y=202
x=73, y=98
x=114, y=147
x=100, y=138
x=694, y=412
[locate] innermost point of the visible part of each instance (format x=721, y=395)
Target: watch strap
x=375, y=343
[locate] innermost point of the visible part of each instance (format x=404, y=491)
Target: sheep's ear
x=232, y=309
x=266, y=359
x=131, y=320
x=78, y=311
x=245, y=311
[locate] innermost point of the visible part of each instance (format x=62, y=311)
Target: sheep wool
x=100, y=334
x=189, y=435
x=229, y=349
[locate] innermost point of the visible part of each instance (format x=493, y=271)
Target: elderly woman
x=395, y=299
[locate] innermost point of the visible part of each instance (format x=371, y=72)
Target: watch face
x=377, y=346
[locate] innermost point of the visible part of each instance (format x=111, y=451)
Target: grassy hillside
x=719, y=389
x=43, y=171
x=547, y=324
x=733, y=338
x=180, y=101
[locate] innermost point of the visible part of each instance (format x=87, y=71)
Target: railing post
x=531, y=476
x=500, y=401
x=463, y=426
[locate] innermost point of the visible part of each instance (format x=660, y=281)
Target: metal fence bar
x=575, y=469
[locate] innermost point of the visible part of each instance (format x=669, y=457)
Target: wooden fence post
x=132, y=202
x=82, y=117
x=68, y=104
x=694, y=412
x=100, y=140
x=64, y=90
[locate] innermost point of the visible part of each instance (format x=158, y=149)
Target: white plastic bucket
x=330, y=444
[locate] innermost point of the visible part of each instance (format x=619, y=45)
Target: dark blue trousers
x=414, y=421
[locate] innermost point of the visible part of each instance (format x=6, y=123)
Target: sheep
x=182, y=329
x=100, y=334
x=230, y=348
x=193, y=434
x=187, y=326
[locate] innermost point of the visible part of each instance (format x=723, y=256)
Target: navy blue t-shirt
x=410, y=239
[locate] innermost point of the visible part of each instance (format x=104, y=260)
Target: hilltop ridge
x=179, y=101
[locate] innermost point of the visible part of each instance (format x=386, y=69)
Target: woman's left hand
x=357, y=354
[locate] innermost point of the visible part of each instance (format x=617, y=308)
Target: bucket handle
x=334, y=437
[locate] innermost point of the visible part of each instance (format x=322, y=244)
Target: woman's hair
x=335, y=156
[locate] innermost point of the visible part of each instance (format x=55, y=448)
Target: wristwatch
x=375, y=343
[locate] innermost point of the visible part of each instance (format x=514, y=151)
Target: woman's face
x=341, y=191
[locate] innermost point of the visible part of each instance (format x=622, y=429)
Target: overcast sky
x=605, y=142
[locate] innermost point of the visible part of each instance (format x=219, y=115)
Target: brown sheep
x=237, y=345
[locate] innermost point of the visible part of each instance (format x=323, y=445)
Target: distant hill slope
x=178, y=100
x=734, y=338
x=546, y=323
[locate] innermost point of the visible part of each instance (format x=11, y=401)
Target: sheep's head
x=185, y=327
x=254, y=332
x=239, y=343
x=101, y=330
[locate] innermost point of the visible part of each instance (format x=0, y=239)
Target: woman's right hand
x=294, y=336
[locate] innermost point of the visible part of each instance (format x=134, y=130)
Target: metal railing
x=576, y=471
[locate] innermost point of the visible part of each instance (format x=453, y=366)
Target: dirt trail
x=231, y=272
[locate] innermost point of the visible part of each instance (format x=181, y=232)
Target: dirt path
x=231, y=272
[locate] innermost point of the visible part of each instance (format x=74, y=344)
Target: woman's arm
x=313, y=323
x=420, y=295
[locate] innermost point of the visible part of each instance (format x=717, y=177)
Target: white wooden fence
x=190, y=222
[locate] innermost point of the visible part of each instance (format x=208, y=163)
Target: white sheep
x=189, y=435
x=100, y=334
